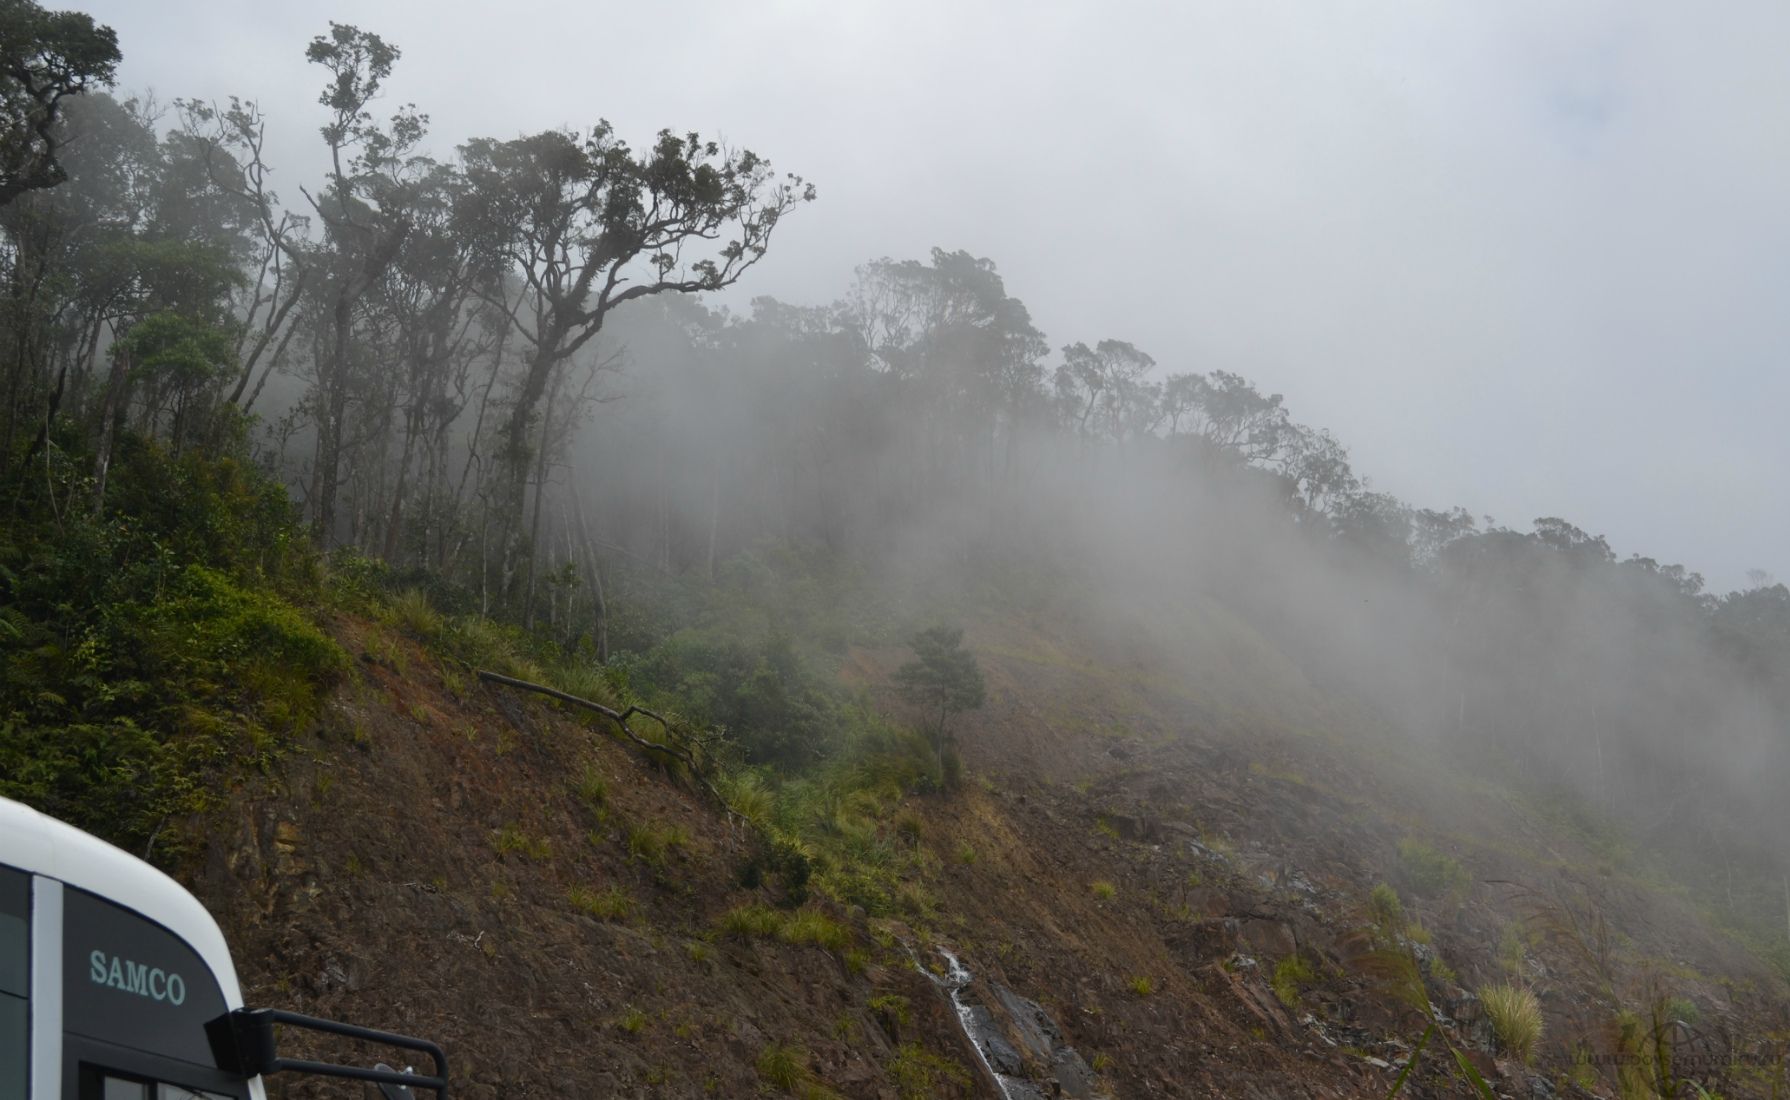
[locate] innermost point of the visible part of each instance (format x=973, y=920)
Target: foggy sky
x=1528, y=258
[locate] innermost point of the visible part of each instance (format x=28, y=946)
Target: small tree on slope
x=943, y=676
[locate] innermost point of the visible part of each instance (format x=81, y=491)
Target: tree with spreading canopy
x=45, y=57
x=942, y=677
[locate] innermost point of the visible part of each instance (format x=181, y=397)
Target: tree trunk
x=593, y=567
x=329, y=428
x=108, y=430
x=396, y=516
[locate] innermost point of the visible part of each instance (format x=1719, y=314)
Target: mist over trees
x=491, y=368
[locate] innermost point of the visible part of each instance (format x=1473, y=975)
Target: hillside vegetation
x=912, y=666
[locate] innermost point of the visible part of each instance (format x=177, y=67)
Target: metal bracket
x=252, y=1041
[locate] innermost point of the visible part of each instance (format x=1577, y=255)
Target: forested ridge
x=482, y=387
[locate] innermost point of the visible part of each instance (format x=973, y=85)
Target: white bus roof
x=38, y=843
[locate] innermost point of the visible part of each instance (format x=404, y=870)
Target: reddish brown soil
x=365, y=881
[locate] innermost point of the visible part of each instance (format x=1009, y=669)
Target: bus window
x=117, y=1088
x=15, y=978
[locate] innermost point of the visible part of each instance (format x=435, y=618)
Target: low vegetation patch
x=1516, y=1018
x=1291, y=975
x=782, y=1066
x=611, y=904
x=1427, y=872
x=920, y=1074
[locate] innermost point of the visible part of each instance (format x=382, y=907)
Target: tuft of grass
x=1442, y=972
x=811, y=926
x=920, y=1074
x=512, y=838
x=782, y=1066
x=1291, y=975
x=1516, y=1017
x=699, y=951
x=650, y=844
x=1142, y=985
x=611, y=904
x=411, y=612
x=1427, y=872
x=965, y=853
x=749, y=921
x=746, y=794
x=633, y=1021
x=1103, y=890
x=892, y=1009
x=1386, y=911
x=909, y=828
x=592, y=789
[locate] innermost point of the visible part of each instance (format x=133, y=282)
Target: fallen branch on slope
x=620, y=718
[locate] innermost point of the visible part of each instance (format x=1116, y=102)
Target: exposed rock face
x=1017, y=1041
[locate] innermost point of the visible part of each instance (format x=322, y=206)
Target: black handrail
x=256, y=1049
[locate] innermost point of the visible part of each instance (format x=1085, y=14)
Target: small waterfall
x=957, y=978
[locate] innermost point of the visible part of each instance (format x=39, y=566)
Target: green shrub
x=779, y=712
x=146, y=650
x=1142, y=985
x=1103, y=890
x=1516, y=1018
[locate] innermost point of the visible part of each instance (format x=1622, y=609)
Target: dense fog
x=498, y=364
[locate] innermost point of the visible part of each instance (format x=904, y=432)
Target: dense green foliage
x=147, y=650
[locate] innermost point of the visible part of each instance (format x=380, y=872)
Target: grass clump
x=650, y=844
x=891, y=1009
x=1103, y=890
x=811, y=926
x=1516, y=1018
x=513, y=838
x=611, y=904
x=1427, y=872
x=411, y=612
x=1386, y=910
x=592, y=789
x=1142, y=985
x=802, y=927
x=1291, y=975
x=920, y=1074
x=633, y=1021
x=752, y=921
x=782, y=1066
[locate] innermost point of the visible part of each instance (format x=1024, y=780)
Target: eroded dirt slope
x=1126, y=857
